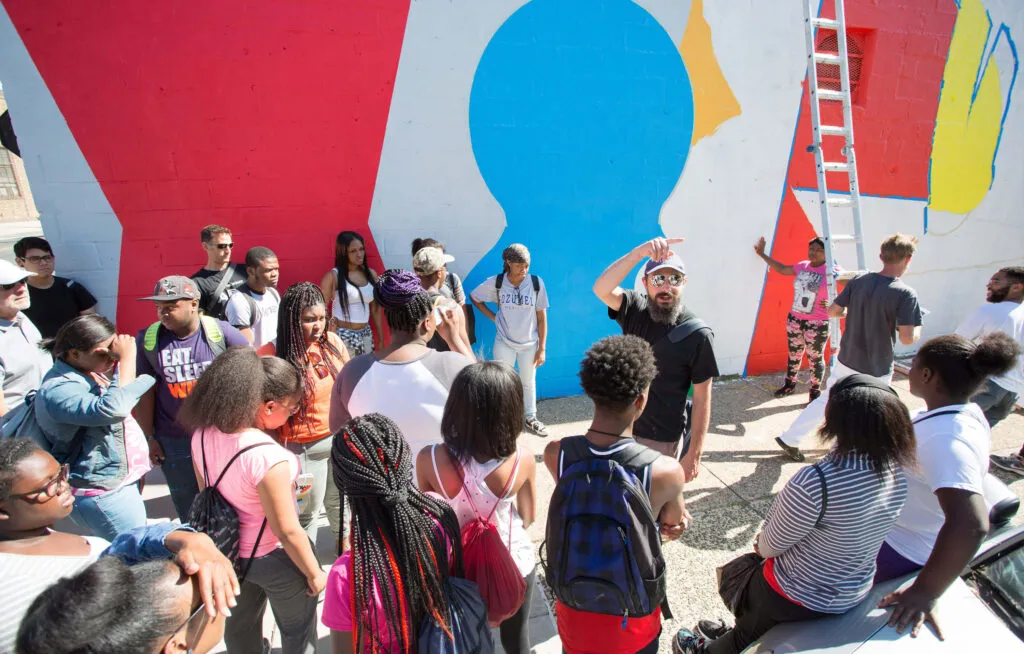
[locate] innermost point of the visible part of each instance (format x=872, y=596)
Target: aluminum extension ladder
x=826, y=200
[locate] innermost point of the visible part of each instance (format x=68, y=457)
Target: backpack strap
x=149, y=341
x=255, y=546
x=536, y=283
x=498, y=281
x=947, y=412
x=222, y=285
x=687, y=328
x=824, y=495
x=214, y=335
x=572, y=449
x=508, y=486
x=230, y=461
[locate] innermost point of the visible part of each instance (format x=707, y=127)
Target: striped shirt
x=829, y=568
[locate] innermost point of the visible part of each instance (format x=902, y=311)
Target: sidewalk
x=742, y=469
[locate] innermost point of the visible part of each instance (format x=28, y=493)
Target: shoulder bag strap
x=221, y=285
x=686, y=329
x=232, y=460
x=824, y=495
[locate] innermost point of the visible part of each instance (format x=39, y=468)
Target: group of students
x=405, y=445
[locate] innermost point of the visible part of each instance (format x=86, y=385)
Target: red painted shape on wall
x=266, y=116
x=905, y=46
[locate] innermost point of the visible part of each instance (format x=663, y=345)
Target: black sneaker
x=787, y=388
x=710, y=629
x=687, y=642
x=1011, y=463
x=793, y=453
x=814, y=393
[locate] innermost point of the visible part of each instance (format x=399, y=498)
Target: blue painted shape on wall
x=581, y=116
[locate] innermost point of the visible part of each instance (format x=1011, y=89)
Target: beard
x=666, y=315
x=997, y=295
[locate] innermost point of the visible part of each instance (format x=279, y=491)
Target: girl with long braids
x=304, y=341
x=349, y=287
x=405, y=544
x=236, y=403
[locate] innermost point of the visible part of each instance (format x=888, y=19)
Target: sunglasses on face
x=194, y=627
x=11, y=287
x=225, y=246
x=657, y=281
x=50, y=489
x=46, y=258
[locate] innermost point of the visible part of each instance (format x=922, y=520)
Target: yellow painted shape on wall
x=966, y=133
x=713, y=100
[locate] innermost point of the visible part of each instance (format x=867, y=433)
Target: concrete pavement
x=741, y=471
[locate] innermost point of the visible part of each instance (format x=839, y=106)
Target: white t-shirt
x=23, y=577
x=1005, y=317
x=952, y=452
x=517, y=309
x=264, y=323
x=411, y=393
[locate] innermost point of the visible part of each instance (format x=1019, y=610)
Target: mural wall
x=577, y=127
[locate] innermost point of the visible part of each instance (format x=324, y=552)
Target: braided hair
x=291, y=346
x=400, y=536
x=401, y=296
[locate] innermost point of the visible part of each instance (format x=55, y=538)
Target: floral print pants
x=807, y=336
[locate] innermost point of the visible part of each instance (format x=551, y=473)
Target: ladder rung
x=843, y=238
x=835, y=166
x=829, y=94
x=834, y=130
x=845, y=201
x=826, y=23
x=827, y=58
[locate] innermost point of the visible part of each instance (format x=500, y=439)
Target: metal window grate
x=8, y=183
x=828, y=74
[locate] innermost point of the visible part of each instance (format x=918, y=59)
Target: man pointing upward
x=683, y=350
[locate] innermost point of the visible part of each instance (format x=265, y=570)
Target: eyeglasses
x=50, y=489
x=46, y=258
x=657, y=281
x=11, y=287
x=225, y=246
x=194, y=627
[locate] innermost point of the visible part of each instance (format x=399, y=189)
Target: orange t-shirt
x=315, y=426
x=593, y=633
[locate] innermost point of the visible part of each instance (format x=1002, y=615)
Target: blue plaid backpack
x=602, y=551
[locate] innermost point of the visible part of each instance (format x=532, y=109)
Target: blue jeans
x=110, y=514
x=181, y=477
x=527, y=372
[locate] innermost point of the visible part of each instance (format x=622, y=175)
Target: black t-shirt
x=207, y=281
x=54, y=306
x=690, y=361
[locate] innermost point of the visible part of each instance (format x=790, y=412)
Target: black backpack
x=602, y=548
x=500, y=279
x=214, y=516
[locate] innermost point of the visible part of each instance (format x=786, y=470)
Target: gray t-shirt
x=22, y=363
x=875, y=306
x=516, y=318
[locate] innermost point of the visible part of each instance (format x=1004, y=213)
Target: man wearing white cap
x=22, y=363
x=683, y=349
x=429, y=265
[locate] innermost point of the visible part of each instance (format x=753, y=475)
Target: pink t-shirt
x=337, y=612
x=239, y=486
x=809, y=290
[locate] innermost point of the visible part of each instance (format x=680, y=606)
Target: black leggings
x=515, y=632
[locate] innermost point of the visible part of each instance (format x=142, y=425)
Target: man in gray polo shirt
x=22, y=363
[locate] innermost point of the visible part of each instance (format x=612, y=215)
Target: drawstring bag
x=488, y=560
x=470, y=632
x=734, y=579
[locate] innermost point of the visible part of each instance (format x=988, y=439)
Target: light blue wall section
x=581, y=117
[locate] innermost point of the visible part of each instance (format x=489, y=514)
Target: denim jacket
x=84, y=423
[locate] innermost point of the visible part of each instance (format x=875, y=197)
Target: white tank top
x=359, y=299
x=506, y=518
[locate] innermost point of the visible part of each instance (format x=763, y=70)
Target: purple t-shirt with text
x=181, y=361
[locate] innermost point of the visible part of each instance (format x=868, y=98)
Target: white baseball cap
x=12, y=274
